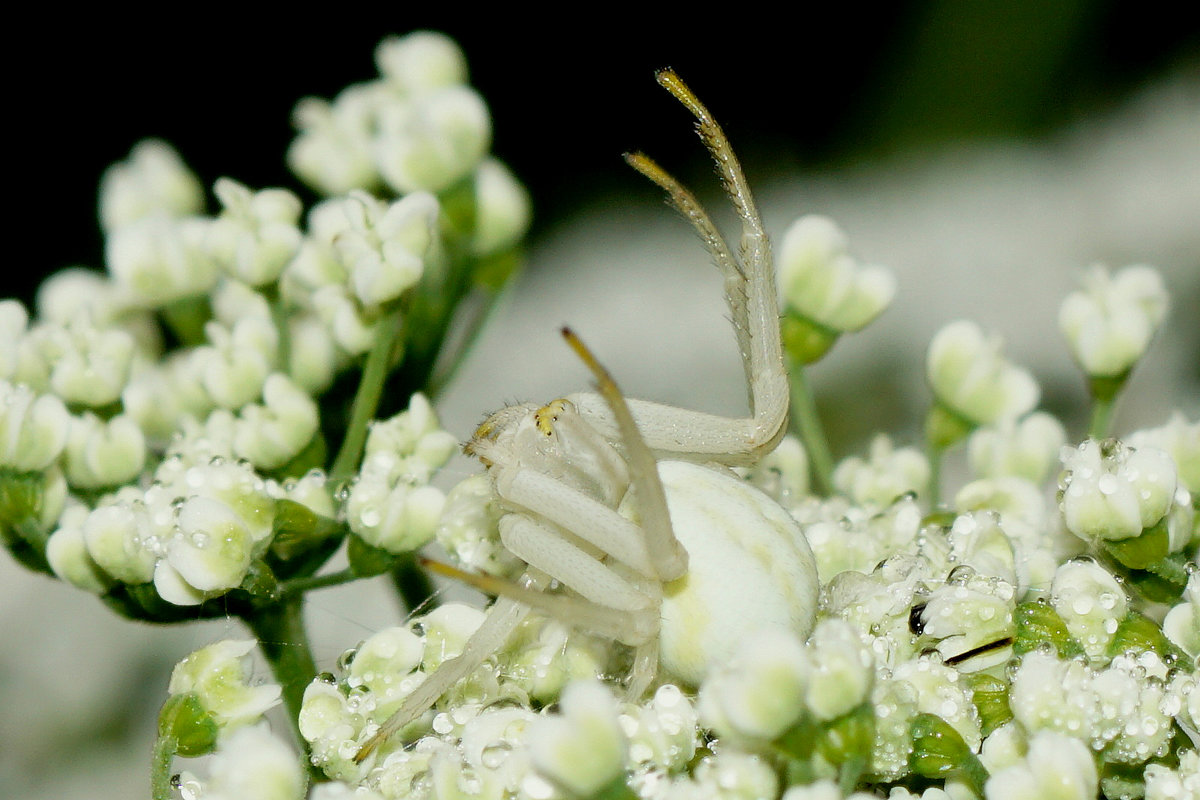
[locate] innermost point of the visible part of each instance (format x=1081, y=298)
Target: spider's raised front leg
x=751, y=296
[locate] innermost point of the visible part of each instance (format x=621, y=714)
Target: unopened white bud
x=159, y=259
x=332, y=151
x=102, y=453
x=823, y=283
x=236, y=363
x=153, y=180
x=1090, y=602
x=1182, y=623
x=843, y=669
x=1056, y=766
x=89, y=366
x=1027, y=449
x=1113, y=492
x=502, y=209
x=272, y=434
x=433, y=140
x=1109, y=324
x=213, y=547
x=352, y=330
x=253, y=762
x=761, y=693
x=67, y=554
x=1181, y=440
x=447, y=629
x=387, y=246
x=888, y=473
x=970, y=376
x=582, y=749
x=388, y=512
x=255, y=235
x=119, y=539
x=420, y=61
x=33, y=428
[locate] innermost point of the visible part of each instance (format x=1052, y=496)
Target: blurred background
x=986, y=151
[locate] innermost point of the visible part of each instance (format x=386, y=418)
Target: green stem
x=412, y=583
x=1102, y=412
x=279, y=628
x=366, y=399
x=160, y=768
x=812, y=434
x=298, y=586
x=934, y=454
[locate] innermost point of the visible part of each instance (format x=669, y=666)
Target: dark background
x=824, y=86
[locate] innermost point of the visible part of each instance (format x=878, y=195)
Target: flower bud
x=121, y=540
x=843, y=670
x=887, y=474
x=1025, y=449
x=433, y=140
x=236, y=363
x=761, y=692
x=253, y=762
x=349, y=327
x=159, y=259
x=820, y=280
x=213, y=547
x=33, y=428
x=1112, y=492
x=89, y=366
x=103, y=453
x=153, y=180
x=971, y=378
x=1181, y=440
x=1109, y=324
x=219, y=675
x=386, y=247
x=1090, y=602
x=420, y=61
x=1182, y=623
x=332, y=151
x=67, y=554
x=447, y=629
x=582, y=749
x=255, y=235
x=502, y=209
x=272, y=434
x=1056, y=765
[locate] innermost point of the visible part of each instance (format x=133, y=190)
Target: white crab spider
x=629, y=504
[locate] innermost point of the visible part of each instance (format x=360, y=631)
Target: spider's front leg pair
x=608, y=497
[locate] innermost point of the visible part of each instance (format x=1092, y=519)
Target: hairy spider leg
x=751, y=296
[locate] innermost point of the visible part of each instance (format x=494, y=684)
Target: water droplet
x=494, y=754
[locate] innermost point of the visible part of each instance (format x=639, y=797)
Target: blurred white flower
x=253, y=762
x=885, y=475
x=101, y=453
x=823, y=283
x=760, y=693
x=385, y=248
x=33, y=428
x=160, y=259
x=255, y=235
x=1109, y=324
x=432, y=140
x=420, y=61
x=971, y=378
x=1057, y=767
x=1027, y=448
x=582, y=748
x=153, y=180
x=272, y=434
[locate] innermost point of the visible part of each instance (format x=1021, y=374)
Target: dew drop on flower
x=442, y=724
x=1108, y=484
x=494, y=754
x=370, y=516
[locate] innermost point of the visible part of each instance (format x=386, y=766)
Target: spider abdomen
x=749, y=567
